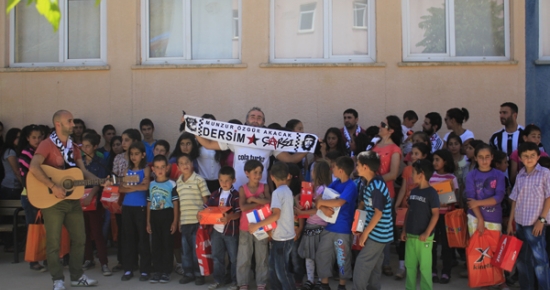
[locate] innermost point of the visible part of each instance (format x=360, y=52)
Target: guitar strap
x=66, y=151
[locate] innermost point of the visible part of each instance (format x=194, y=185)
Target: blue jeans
x=222, y=244
x=279, y=263
x=533, y=259
x=189, y=260
x=298, y=263
x=30, y=210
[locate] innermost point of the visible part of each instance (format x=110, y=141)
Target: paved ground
x=19, y=276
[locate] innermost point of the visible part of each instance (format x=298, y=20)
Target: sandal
x=38, y=267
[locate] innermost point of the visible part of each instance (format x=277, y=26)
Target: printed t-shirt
x=348, y=192
x=385, y=154
x=283, y=200
x=243, y=154
x=162, y=194
x=223, y=202
x=139, y=197
x=421, y=203
x=376, y=197
x=483, y=185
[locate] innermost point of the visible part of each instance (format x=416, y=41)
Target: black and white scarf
x=348, y=137
x=66, y=151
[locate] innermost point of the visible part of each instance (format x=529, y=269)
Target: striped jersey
x=506, y=142
x=190, y=193
x=377, y=196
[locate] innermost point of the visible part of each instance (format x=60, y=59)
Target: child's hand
x=403, y=236
x=328, y=211
x=87, y=200
x=298, y=233
x=510, y=228
x=107, y=182
x=251, y=200
x=149, y=231
x=423, y=237
x=252, y=228
x=297, y=211
x=363, y=238
x=480, y=226
x=537, y=229
x=174, y=227
x=223, y=219
x=472, y=203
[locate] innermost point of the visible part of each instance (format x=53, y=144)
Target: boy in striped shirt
x=378, y=229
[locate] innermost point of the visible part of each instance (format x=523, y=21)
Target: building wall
x=126, y=93
x=537, y=76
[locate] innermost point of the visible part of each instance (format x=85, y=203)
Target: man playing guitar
x=58, y=150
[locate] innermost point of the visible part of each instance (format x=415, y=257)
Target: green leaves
x=50, y=10
x=11, y=4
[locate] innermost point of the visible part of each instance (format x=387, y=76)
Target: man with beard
x=432, y=124
x=351, y=129
x=507, y=139
x=256, y=118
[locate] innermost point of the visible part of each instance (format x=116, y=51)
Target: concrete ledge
x=542, y=62
x=305, y=65
x=188, y=66
x=455, y=63
x=54, y=68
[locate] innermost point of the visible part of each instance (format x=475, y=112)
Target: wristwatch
x=542, y=220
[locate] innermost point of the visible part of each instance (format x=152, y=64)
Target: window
x=190, y=31
x=307, y=17
x=360, y=15
x=322, y=31
x=544, y=30
x=456, y=30
x=80, y=40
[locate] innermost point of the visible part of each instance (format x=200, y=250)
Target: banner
x=249, y=136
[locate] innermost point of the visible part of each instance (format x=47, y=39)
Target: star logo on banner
x=252, y=139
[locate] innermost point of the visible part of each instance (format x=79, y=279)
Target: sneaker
x=214, y=285
x=106, y=271
x=154, y=278
x=245, y=287
x=179, y=269
x=435, y=278
x=164, y=278
x=84, y=281
x=187, y=279
x=88, y=265
x=400, y=274
x=58, y=285
x=308, y=286
x=199, y=280
x=233, y=286
x=144, y=277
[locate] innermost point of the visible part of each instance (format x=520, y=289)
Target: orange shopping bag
x=36, y=241
x=456, y=228
x=479, y=255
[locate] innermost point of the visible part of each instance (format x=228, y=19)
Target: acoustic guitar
x=72, y=180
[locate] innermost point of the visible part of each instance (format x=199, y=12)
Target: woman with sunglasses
x=390, y=154
x=454, y=119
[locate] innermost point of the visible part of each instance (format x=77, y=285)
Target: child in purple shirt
x=485, y=189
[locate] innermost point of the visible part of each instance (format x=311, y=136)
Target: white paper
x=329, y=193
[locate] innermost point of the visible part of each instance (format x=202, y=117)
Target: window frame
x=328, y=57
x=450, y=56
x=63, y=32
x=542, y=31
x=187, y=52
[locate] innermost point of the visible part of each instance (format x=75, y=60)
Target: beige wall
x=316, y=95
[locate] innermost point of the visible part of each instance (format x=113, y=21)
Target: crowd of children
x=381, y=171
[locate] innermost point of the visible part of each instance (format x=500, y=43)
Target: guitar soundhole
x=68, y=184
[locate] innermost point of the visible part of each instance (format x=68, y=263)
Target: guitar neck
x=90, y=182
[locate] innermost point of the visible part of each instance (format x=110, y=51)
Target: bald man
x=57, y=150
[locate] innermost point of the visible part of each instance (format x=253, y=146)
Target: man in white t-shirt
x=409, y=119
x=255, y=117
